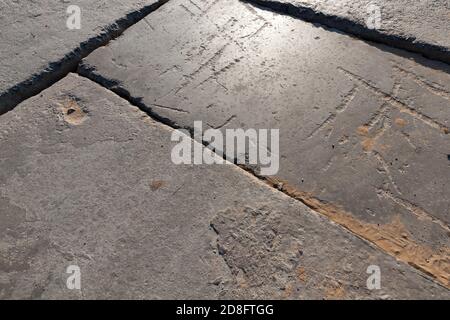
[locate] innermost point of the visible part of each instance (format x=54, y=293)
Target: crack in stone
x=57, y=70
x=392, y=238
x=360, y=30
x=170, y=108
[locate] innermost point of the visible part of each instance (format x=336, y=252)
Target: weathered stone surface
x=363, y=130
x=37, y=47
x=87, y=180
x=420, y=26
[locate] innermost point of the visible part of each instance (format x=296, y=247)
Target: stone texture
x=421, y=26
x=363, y=128
x=88, y=181
x=37, y=48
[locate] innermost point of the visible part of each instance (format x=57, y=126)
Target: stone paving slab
x=421, y=26
x=88, y=181
x=363, y=129
x=37, y=47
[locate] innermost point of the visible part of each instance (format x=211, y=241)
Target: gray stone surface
x=422, y=26
x=37, y=47
x=88, y=181
x=363, y=129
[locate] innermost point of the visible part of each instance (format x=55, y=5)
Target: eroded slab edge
x=428, y=50
x=389, y=238
x=57, y=70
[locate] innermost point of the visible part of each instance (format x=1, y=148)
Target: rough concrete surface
x=87, y=181
x=421, y=26
x=37, y=47
x=363, y=128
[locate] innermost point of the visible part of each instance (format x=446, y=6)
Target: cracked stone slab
x=37, y=47
x=363, y=128
x=420, y=26
x=87, y=180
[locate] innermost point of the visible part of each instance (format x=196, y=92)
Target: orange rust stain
x=289, y=290
x=392, y=238
x=157, y=184
x=241, y=280
x=368, y=144
x=301, y=274
x=363, y=130
x=400, y=122
x=335, y=293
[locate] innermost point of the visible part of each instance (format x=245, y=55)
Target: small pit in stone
x=72, y=112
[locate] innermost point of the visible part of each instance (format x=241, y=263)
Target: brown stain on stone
x=393, y=238
x=400, y=122
x=73, y=113
x=288, y=291
x=157, y=184
x=241, y=280
x=335, y=292
x=301, y=274
x=363, y=130
x=368, y=143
